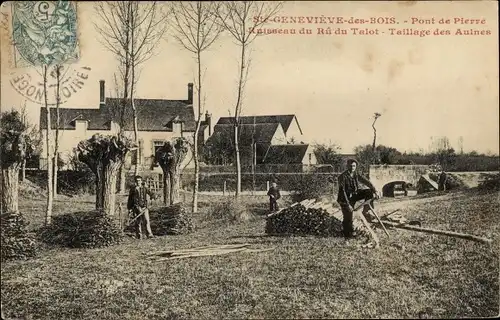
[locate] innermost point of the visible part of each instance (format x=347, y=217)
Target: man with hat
x=138, y=207
x=349, y=193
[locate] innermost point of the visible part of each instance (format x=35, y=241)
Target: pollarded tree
x=16, y=145
x=105, y=154
x=170, y=157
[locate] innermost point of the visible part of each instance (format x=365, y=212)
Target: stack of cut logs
x=308, y=217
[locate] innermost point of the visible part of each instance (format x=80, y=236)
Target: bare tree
x=196, y=29
x=376, y=115
x=56, y=73
x=50, y=194
x=241, y=19
x=131, y=30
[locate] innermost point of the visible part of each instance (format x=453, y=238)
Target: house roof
x=286, y=154
x=285, y=120
x=152, y=115
x=263, y=134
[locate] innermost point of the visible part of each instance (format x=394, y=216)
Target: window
x=310, y=158
x=156, y=145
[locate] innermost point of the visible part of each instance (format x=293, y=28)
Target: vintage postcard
x=249, y=159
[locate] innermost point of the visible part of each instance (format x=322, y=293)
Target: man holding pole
x=349, y=193
x=138, y=206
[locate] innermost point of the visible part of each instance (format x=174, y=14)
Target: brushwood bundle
x=16, y=241
x=171, y=220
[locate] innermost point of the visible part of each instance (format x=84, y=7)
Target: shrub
x=490, y=183
x=309, y=187
x=16, y=241
x=82, y=230
x=230, y=210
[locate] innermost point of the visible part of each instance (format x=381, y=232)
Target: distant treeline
x=459, y=162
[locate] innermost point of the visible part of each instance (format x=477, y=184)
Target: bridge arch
x=388, y=190
x=381, y=175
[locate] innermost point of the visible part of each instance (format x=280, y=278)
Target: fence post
x=267, y=185
x=224, y=189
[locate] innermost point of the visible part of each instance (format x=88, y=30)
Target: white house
x=157, y=120
x=277, y=140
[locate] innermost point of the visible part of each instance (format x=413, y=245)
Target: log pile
x=309, y=217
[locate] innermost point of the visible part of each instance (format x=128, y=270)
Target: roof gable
x=262, y=133
x=284, y=120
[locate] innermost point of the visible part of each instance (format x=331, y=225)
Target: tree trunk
x=238, y=162
x=110, y=174
x=99, y=196
x=136, y=140
x=132, y=85
x=196, y=133
x=23, y=170
x=48, y=213
x=196, y=170
x=56, y=169
x=10, y=189
x=123, y=178
x=166, y=189
x=174, y=187
x=56, y=138
x=237, y=112
x=374, y=133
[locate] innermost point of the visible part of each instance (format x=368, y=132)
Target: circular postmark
x=45, y=32
x=30, y=84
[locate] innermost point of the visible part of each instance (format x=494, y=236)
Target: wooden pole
x=378, y=218
x=370, y=230
x=440, y=232
x=391, y=213
x=224, y=188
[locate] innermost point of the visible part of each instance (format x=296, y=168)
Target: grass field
x=412, y=275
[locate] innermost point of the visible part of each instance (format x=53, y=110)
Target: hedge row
x=289, y=182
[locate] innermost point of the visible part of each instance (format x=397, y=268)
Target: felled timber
x=202, y=252
x=440, y=232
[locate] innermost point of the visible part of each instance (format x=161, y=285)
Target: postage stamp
x=44, y=33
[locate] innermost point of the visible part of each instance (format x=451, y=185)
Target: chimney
x=101, y=93
x=190, y=93
x=208, y=122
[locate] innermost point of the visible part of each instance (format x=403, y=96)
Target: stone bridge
x=380, y=175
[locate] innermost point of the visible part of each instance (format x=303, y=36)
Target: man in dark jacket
x=349, y=193
x=274, y=195
x=442, y=181
x=138, y=206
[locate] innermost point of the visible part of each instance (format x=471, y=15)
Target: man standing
x=138, y=206
x=349, y=193
x=442, y=181
x=274, y=195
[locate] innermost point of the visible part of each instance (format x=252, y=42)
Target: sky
x=424, y=87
